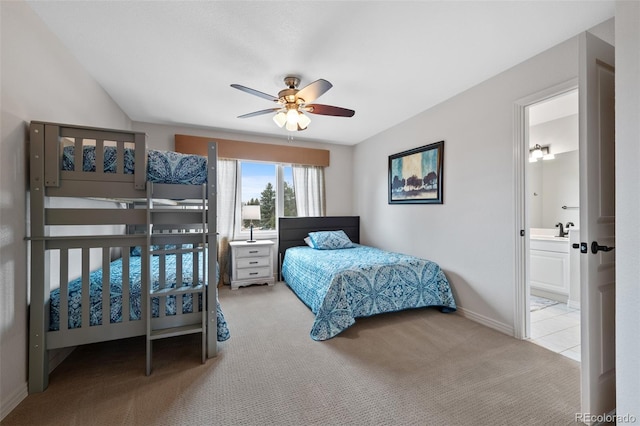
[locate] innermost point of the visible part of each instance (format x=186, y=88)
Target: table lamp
x=250, y=213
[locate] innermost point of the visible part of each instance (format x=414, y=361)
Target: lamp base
x=251, y=240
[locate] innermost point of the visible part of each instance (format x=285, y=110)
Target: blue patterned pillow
x=308, y=242
x=174, y=167
x=89, y=159
x=330, y=240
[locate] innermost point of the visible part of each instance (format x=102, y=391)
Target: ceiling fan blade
x=329, y=110
x=313, y=91
x=261, y=112
x=255, y=92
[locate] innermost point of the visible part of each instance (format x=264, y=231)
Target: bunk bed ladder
x=166, y=224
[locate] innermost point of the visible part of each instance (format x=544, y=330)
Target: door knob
x=595, y=248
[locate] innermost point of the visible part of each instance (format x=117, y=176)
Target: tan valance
x=240, y=150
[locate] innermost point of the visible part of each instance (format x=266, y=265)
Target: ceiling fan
x=294, y=102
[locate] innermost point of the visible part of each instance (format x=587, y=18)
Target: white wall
x=472, y=235
x=40, y=81
x=561, y=135
x=553, y=184
x=556, y=182
x=627, y=33
x=339, y=187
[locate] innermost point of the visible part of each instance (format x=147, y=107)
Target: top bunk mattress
x=162, y=166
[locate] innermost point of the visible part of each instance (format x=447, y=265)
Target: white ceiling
x=171, y=62
x=557, y=107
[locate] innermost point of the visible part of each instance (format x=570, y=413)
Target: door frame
x=522, y=319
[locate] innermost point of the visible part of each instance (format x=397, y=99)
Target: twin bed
x=341, y=280
x=134, y=257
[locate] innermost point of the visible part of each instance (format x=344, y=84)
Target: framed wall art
x=415, y=176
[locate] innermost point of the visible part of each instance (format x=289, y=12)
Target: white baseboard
x=56, y=357
x=491, y=323
x=12, y=401
x=573, y=304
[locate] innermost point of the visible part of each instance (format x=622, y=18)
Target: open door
x=597, y=225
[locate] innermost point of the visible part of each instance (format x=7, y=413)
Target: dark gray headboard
x=293, y=230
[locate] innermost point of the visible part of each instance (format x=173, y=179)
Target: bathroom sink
x=549, y=238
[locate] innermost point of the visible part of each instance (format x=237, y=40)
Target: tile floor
x=557, y=328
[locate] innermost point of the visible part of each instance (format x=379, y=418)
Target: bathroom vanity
x=549, y=265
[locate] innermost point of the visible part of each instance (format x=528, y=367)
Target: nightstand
x=251, y=263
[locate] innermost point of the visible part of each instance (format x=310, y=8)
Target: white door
x=597, y=224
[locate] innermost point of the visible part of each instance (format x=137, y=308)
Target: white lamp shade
x=303, y=121
x=537, y=153
x=292, y=127
x=292, y=116
x=251, y=213
x=280, y=118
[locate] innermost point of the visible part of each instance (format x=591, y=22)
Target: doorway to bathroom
x=596, y=81
x=553, y=197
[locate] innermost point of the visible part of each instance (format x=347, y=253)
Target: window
x=270, y=186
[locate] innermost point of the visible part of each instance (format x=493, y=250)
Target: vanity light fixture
x=538, y=152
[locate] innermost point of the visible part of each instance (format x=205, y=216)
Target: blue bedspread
x=344, y=284
x=135, y=296
x=162, y=166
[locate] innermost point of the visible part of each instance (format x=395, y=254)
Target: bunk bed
x=134, y=258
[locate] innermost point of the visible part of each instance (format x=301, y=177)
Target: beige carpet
x=418, y=367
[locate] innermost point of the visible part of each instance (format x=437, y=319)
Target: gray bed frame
x=293, y=230
x=140, y=224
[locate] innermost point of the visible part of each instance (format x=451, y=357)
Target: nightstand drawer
x=253, y=262
x=252, y=251
x=244, y=274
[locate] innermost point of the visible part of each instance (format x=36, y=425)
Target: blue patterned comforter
x=135, y=296
x=162, y=166
x=344, y=284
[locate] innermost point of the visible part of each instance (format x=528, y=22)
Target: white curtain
x=227, y=190
x=308, y=184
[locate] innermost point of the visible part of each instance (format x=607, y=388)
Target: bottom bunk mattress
x=135, y=294
x=343, y=284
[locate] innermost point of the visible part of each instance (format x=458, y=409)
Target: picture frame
x=415, y=176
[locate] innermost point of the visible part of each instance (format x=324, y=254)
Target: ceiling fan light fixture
x=292, y=127
x=303, y=121
x=280, y=119
x=293, y=103
x=292, y=116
